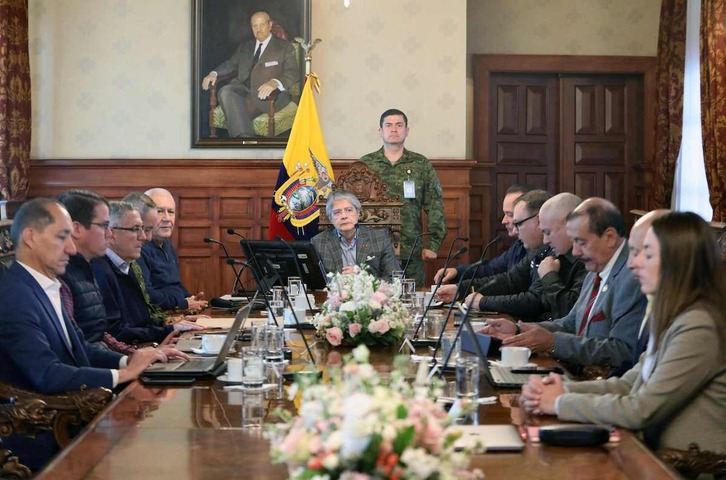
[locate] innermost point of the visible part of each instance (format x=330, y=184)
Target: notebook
x=488, y=438
x=205, y=366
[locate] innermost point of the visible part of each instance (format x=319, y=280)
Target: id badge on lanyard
x=409, y=187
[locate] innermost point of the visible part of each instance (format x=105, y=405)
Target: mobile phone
x=538, y=370
x=146, y=380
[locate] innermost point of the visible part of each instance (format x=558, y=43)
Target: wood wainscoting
x=214, y=195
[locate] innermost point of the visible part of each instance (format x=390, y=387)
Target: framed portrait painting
x=247, y=70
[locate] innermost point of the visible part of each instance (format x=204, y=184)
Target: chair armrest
x=694, y=461
x=10, y=466
x=29, y=413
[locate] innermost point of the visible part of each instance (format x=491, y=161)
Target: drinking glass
x=253, y=367
x=274, y=343
x=467, y=378
x=408, y=292
x=278, y=294
x=294, y=286
x=253, y=410
x=275, y=312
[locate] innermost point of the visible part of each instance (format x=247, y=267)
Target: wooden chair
x=270, y=124
x=694, y=462
x=378, y=210
x=29, y=413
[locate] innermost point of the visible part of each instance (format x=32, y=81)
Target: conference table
x=196, y=432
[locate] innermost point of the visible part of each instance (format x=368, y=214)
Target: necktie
x=590, y=303
x=258, y=52
x=158, y=317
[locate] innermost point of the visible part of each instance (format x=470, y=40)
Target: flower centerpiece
x=361, y=309
x=360, y=427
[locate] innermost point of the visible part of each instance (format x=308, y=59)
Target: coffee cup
x=234, y=369
x=515, y=356
x=212, y=343
x=290, y=320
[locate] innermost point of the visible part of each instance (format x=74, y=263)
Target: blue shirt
x=160, y=266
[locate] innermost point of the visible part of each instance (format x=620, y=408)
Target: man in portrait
x=263, y=65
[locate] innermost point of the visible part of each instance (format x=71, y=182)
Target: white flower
x=420, y=464
x=370, y=257
x=361, y=354
x=354, y=431
x=348, y=307
x=331, y=461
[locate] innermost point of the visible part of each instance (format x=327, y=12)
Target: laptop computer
x=200, y=367
x=488, y=438
x=498, y=375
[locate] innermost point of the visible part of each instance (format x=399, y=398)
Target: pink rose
x=334, y=336
x=379, y=297
x=378, y=326
x=354, y=329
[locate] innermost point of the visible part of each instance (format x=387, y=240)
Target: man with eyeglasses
x=90, y=233
x=506, y=260
x=128, y=314
x=160, y=264
x=349, y=244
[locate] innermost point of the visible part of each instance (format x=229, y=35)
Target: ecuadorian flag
x=305, y=174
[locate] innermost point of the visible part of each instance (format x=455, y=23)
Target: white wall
x=112, y=78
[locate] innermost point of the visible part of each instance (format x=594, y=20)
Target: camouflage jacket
x=417, y=168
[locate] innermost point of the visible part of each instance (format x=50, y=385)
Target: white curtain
x=690, y=188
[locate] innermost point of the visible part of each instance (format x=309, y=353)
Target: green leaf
x=401, y=412
x=403, y=439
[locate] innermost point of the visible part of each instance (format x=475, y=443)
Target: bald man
x=159, y=262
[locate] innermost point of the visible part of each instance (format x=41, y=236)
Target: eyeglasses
x=518, y=223
x=104, y=225
x=136, y=229
x=347, y=210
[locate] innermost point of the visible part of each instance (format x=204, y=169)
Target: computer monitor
x=264, y=255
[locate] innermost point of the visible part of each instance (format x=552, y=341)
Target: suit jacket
x=277, y=61
x=34, y=353
x=373, y=247
x=683, y=400
x=615, y=319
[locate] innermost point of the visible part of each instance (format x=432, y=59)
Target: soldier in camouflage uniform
x=412, y=177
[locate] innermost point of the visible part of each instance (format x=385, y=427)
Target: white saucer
x=239, y=387
x=223, y=378
x=201, y=351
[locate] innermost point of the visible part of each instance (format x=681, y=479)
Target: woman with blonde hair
x=676, y=394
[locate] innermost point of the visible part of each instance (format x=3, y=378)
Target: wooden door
x=577, y=124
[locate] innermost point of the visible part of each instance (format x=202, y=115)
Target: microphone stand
x=233, y=261
x=413, y=247
x=458, y=289
x=438, y=284
x=479, y=352
x=237, y=274
x=292, y=311
x=260, y=282
x=299, y=271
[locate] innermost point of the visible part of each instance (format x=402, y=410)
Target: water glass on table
x=294, y=286
x=253, y=367
x=467, y=378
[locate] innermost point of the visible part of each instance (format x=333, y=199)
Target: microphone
x=413, y=247
x=234, y=268
x=470, y=268
x=459, y=253
x=438, y=284
x=262, y=284
x=299, y=271
x=292, y=309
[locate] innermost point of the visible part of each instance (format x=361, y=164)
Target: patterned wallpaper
x=111, y=78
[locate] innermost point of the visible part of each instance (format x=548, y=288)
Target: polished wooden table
x=196, y=433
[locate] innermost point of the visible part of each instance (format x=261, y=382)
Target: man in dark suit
x=602, y=327
x=40, y=349
x=350, y=244
x=263, y=66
